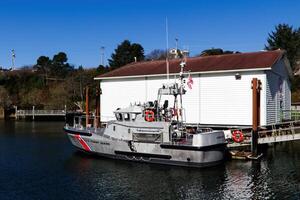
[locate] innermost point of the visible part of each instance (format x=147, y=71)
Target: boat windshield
x=133, y=116
x=119, y=116
x=126, y=117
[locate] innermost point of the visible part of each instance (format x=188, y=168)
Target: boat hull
x=159, y=153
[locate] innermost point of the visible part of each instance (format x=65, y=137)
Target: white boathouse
x=221, y=92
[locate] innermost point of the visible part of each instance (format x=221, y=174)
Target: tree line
x=52, y=83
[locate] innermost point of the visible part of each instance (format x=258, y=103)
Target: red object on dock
x=237, y=136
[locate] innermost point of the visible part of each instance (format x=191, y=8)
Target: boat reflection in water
x=233, y=180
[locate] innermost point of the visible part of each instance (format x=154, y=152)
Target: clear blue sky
x=79, y=28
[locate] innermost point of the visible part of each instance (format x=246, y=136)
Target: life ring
x=237, y=136
x=149, y=116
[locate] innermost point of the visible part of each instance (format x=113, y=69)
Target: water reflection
x=40, y=163
x=113, y=179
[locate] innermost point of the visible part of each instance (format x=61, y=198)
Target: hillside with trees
x=49, y=84
x=52, y=83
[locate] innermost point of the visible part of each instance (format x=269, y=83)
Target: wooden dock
x=283, y=132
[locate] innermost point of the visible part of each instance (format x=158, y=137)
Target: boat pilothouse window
x=126, y=117
x=119, y=117
x=133, y=116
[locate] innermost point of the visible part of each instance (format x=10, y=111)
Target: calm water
x=38, y=162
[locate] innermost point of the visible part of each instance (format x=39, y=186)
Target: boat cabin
x=131, y=113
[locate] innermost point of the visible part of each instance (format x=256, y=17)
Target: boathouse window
x=126, y=117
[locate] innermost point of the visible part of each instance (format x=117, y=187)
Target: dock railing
x=41, y=112
x=22, y=113
x=289, y=115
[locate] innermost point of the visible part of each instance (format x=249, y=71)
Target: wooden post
x=32, y=112
x=86, y=106
x=256, y=87
x=16, y=112
x=65, y=112
x=100, y=92
x=97, y=117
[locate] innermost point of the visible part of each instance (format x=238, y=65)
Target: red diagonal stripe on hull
x=84, y=145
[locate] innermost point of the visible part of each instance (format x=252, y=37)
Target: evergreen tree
x=287, y=38
x=126, y=53
x=55, y=68
x=60, y=68
x=157, y=54
x=43, y=64
x=215, y=51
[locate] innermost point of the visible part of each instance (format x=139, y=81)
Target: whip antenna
x=167, y=50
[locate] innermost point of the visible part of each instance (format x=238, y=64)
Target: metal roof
x=261, y=60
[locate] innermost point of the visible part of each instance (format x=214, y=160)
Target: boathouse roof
x=262, y=60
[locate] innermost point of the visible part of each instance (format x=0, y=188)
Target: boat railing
x=79, y=122
x=187, y=139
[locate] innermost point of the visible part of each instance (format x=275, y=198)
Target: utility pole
x=102, y=55
x=167, y=49
x=176, y=42
x=13, y=57
x=87, y=106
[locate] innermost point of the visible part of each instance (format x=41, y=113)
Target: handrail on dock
x=289, y=115
x=40, y=112
x=32, y=113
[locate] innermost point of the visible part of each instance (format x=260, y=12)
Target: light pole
x=102, y=55
x=13, y=57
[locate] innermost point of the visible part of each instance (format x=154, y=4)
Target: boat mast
x=86, y=106
x=182, y=65
x=167, y=50
x=97, y=114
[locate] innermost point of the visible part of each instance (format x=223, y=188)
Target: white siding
x=225, y=100
x=275, y=95
x=213, y=99
x=287, y=92
x=272, y=88
x=191, y=101
x=119, y=94
x=153, y=84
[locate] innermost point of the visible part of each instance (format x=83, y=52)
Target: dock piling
x=97, y=117
x=256, y=87
x=87, y=106
x=32, y=112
